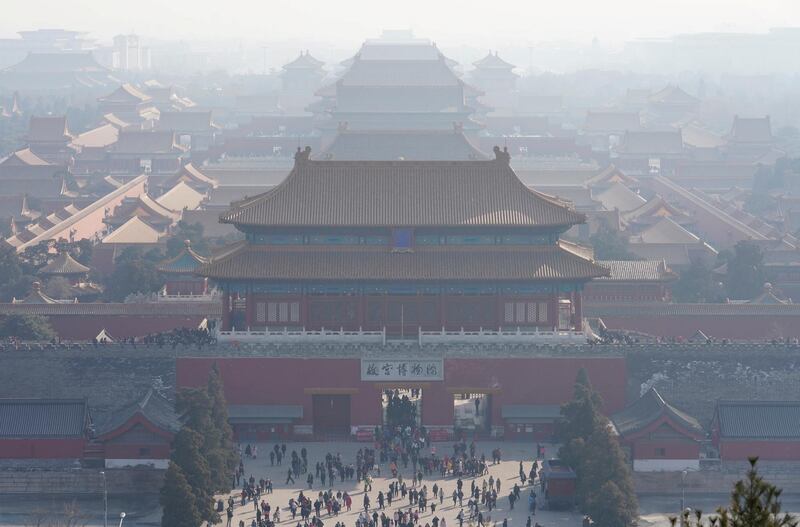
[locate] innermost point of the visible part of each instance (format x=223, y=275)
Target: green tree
x=187, y=231
x=581, y=418
x=134, y=272
x=603, y=462
x=745, y=278
x=589, y=447
x=610, y=244
x=196, y=406
x=10, y=272
x=696, y=284
x=26, y=327
x=58, y=287
x=755, y=502
x=610, y=507
x=222, y=458
x=177, y=500
x=186, y=454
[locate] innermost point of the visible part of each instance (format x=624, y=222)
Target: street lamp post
x=121, y=518
x=683, y=493
x=105, y=500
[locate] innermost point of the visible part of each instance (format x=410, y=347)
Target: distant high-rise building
x=129, y=55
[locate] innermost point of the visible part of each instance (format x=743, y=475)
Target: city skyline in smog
x=448, y=22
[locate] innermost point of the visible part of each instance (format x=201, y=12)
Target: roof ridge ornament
x=302, y=155
x=502, y=155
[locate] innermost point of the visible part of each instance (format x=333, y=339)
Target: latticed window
x=524, y=312
x=277, y=312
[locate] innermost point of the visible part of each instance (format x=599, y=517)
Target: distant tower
x=299, y=80
x=129, y=53
x=497, y=79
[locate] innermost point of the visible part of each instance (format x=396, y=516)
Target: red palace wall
x=730, y=327
x=42, y=448
x=153, y=451
x=765, y=450
x=538, y=381
x=673, y=448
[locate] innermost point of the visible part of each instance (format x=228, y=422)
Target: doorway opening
x=401, y=408
x=472, y=412
x=331, y=415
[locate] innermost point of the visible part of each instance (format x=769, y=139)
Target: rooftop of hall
x=402, y=193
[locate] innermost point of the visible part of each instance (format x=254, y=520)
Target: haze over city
x=415, y=264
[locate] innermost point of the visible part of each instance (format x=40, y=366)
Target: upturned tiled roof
x=399, y=145
x=37, y=296
x=758, y=419
x=647, y=409
x=24, y=157
x=186, y=261
x=540, y=263
x=48, y=129
x=751, y=130
x=126, y=93
x=384, y=73
x=637, y=270
x=133, y=231
x=304, y=61
x=673, y=95
x=41, y=418
x=493, y=61
x=619, y=197
x=64, y=264
x=152, y=406
x=402, y=193
x=99, y=137
x=181, y=197
x=195, y=176
x=665, y=231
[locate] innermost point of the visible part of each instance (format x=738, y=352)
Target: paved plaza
x=507, y=471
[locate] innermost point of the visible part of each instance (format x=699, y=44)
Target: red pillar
x=249, y=312
x=361, y=316
x=552, y=308
x=226, y=311
x=578, y=304
x=442, y=314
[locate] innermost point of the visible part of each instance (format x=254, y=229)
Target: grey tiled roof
x=379, y=263
x=29, y=418
x=646, y=410
x=402, y=194
x=759, y=419
x=636, y=270
x=412, y=146
x=152, y=407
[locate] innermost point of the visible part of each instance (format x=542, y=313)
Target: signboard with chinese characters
x=402, y=369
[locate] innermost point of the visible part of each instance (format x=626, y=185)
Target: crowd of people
x=416, y=502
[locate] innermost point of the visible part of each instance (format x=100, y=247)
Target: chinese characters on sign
x=402, y=369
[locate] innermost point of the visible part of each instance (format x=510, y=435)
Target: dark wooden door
x=331, y=415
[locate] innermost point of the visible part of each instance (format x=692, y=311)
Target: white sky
x=448, y=22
